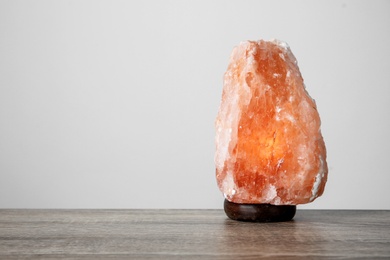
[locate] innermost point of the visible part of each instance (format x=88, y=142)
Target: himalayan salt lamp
x=270, y=154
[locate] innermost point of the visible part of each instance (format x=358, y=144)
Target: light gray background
x=111, y=104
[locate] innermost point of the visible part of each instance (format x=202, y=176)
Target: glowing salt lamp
x=270, y=154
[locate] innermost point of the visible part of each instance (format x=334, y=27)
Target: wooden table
x=194, y=234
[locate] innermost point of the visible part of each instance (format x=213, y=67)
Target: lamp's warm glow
x=269, y=144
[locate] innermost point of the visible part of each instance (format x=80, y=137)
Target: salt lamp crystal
x=269, y=147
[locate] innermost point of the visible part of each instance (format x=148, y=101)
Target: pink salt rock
x=269, y=147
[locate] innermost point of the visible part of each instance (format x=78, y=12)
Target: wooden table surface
x=190, y=234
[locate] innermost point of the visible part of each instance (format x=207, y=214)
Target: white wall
x=111, y=104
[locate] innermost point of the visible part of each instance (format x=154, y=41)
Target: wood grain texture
x=190, y=234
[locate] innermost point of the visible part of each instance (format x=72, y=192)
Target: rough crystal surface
x=269, y=147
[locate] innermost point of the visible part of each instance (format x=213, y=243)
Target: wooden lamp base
x=259, y=212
